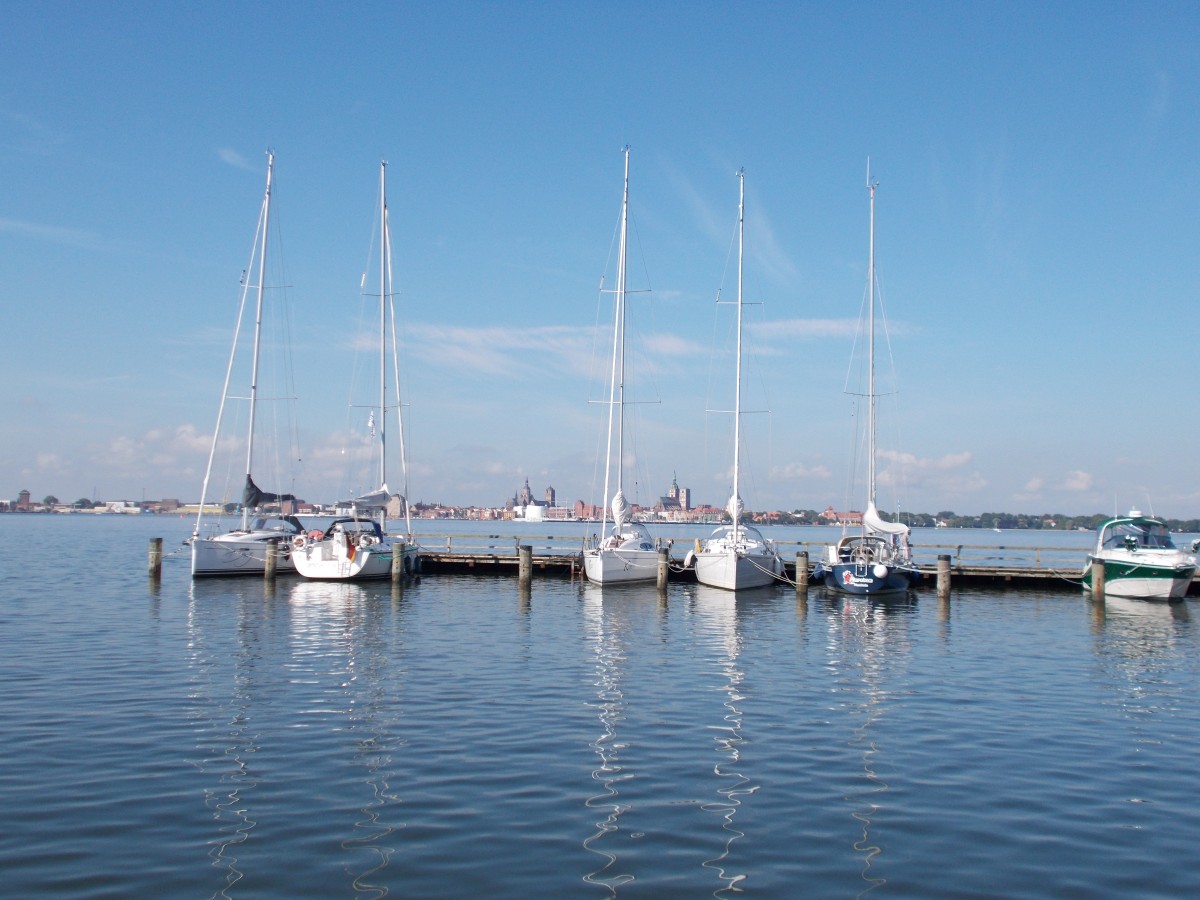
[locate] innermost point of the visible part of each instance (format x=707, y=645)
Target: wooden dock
x=552, y=557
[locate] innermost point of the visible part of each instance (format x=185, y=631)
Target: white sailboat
x=737, y=556
x=878, y=558
x=243, y=550
x=627, y=552
x=359, y=547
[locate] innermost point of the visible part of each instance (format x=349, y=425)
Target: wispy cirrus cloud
x=231, y=157
x=503, y=350
x=52, y=234
x=788, y=329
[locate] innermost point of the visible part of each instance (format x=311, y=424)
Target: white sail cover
x=374, y=500
x=734, y=507
x=621, y=509
x=873, y=522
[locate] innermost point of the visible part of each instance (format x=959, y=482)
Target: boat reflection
x=603, y=633
x=221, y=712
x=1137, y=642
x=343, y=660
x=868, y=644
x=353, y=634
x=717, y=613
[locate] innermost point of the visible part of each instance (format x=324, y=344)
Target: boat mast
x=258, y=313
x=620, y=324
x=616, y=383
x=396, y=373
x=871, y=185
x=260, y=236
x=735, y=503
x=383, y=302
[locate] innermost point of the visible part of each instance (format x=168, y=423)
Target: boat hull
x=620, y=566
x=869, y=580
x=332, y=560
x=737, y=557
x=1142, y=580
x=736, y=571
x=237, y=553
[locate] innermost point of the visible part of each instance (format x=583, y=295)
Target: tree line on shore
x=990, y=520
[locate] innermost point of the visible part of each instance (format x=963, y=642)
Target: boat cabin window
x=1130, y=536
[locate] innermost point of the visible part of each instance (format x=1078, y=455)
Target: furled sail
x=734, y=507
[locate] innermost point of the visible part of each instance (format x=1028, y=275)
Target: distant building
x=677, y=499
x=587, y=510
x=523, y=506
x=23, y=504
x=525, y=495
x=832, y=517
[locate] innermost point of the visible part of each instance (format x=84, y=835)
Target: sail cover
x=873, y=522
x=621, y=509
x=735, y=508
x=253, y=496
x=374, y=500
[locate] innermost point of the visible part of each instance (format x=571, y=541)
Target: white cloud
x=945, y=463
x=796, y=471
x=1078, y=482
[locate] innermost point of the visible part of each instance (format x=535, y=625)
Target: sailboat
x=878, y=558
x=358, y=546
x=737, y=556
x=243, y=551
x=627, y=552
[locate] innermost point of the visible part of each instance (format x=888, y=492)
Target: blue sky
x=1036, y=241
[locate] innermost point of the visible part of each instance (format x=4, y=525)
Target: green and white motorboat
x=1140, y=559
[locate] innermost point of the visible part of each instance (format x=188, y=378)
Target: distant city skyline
x=1035, y=241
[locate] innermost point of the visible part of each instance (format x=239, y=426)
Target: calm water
x=225, y=739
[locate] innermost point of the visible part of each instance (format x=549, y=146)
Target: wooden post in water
x=1097, y=579
x=801, y=571
x=663, y=569
x=525, y=566
x=272, y=561
x=398, y=565
x=943, y=576
x=155, y=557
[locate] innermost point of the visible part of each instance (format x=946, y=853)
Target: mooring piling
x=943, y=575
x=155, y=560
x=525, y=565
